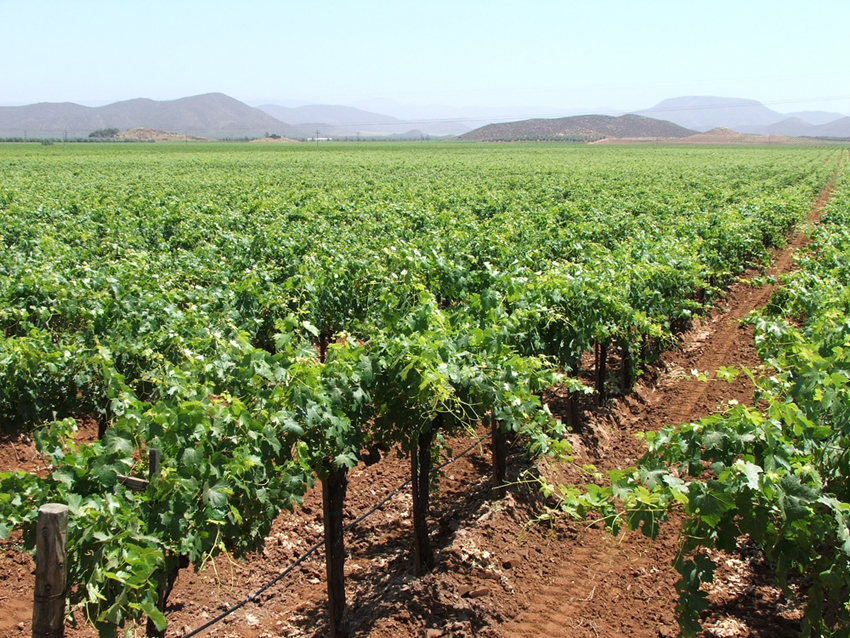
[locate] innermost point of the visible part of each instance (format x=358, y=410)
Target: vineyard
x=270, y=320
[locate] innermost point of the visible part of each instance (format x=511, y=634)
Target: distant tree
x=273, y=136
x=104, y=132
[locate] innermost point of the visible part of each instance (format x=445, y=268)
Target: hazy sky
x=625, y=55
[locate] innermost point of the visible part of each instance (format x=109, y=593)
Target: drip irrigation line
x=254, y=596
x=313, y=548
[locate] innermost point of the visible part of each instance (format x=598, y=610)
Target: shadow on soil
x=395, y=592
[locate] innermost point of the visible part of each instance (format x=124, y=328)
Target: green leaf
x=711, y=502
x=795, y=498
x=727, y=374
x=190, y=457
x=155, y=615
x=309, y=327
x=216, y=495
x=751, y=471
x=346, y=459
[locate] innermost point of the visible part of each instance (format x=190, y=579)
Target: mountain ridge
x=216, y=115
x=213, y=115
x=703, y=113
x=349, y=121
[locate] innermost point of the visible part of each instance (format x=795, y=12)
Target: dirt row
x=503, y=569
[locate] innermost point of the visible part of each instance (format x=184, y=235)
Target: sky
x=603, y=54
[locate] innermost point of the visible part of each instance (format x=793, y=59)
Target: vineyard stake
x=420, y=469
x=626, y=378
x=601, y=370
x=333, y=499
x=163, y=589
x=153, y=464
x=48, y=610
x=498, y=448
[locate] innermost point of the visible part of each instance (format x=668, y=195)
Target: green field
x=262, y=313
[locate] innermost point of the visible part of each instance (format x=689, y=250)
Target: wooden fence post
x=601, y=370
x=48, y=610
x=153, y=465
x=333, y=500
x=162, y=591
x=499, y=452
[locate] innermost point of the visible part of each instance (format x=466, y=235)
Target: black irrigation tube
x=312, y=549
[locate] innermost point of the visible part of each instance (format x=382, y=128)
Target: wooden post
x=420, y=470
x=333, y=499
x=163, y=589
x=572, y=401
x=498, y=447
x=601, y=370
x=48, y=610
x=153, y=464
x=626, y=380
x=596, y=364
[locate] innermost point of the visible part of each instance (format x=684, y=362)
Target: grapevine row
x=262, y=318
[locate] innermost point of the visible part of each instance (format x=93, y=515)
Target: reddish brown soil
x=498, y=574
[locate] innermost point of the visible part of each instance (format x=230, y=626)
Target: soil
x=148, y=134
x=503, y=569
x=274, y=140
x=720, y=137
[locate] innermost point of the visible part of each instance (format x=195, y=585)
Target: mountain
x=838, y=128
x=582, y=127
x=473, y=116
x=796, y=127
x=792, y=127
x=702, y=113
x=816, y=117
x=348, y=121
x=334, y=115
x=212, y=115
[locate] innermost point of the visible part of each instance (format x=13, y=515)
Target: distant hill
x=838, y=128
x=329, y=114
x=581, y=127
x=796, y=127
x=816, y=117
x=348, y=121
x=213, y=115
x=792, y=127
x=702, y=113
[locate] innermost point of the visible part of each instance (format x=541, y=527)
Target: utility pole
x=317, y=138
x=25, y=135
x=358, y=138
x=65, y=138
